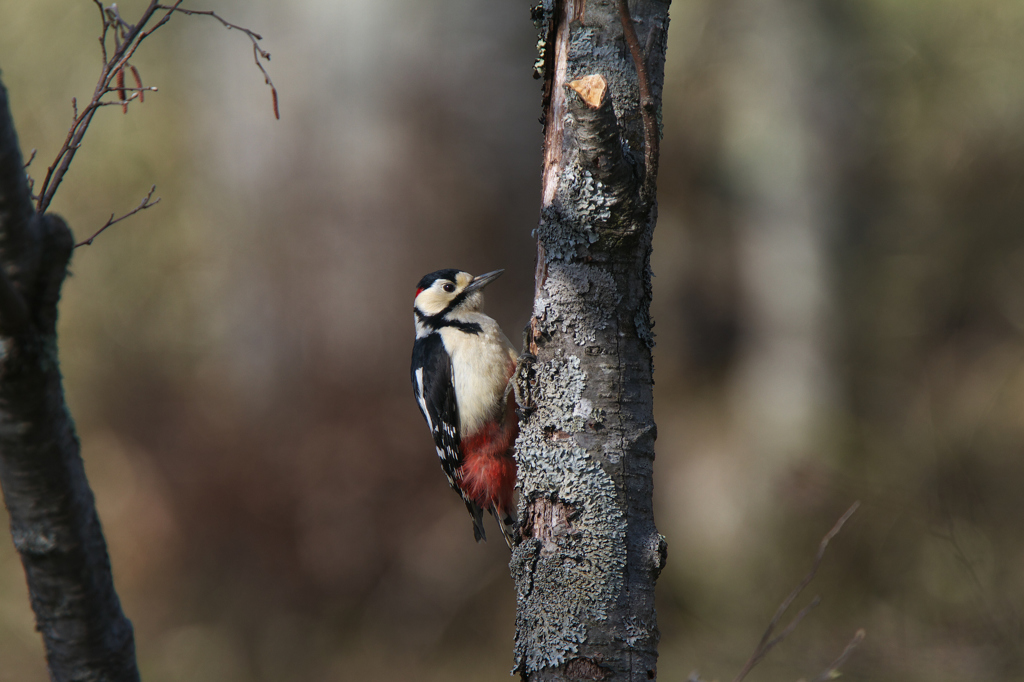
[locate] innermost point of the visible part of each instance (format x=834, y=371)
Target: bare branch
x=125, y=47
x=210, y=13
x=136, y=94
x=767, y=643
x=791, y=627
x=257, y=51
x=127, y=39
x=106, y=27
x=117, y=21
x=31, y=180
x=146, y=203
x=829, y=673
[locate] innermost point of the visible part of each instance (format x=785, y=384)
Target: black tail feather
x=478, y=521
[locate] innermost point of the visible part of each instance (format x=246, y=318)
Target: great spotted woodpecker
x=462, y=366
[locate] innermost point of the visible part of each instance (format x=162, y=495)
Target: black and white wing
x=434, y=387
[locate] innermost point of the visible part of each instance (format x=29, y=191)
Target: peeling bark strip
x=53, y=518
x=590, y=555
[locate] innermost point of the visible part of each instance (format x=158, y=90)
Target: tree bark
x=53, y=517
x=590, y=555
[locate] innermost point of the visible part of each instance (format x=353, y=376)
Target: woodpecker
x=462, y=368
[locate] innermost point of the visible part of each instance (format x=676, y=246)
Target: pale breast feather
x=481, y=365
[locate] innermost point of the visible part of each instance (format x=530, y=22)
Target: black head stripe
x=468, y=327
x=456, y=302
x=428, y=280
x=438, y=321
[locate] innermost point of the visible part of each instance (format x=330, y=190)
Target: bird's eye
x=449, y=287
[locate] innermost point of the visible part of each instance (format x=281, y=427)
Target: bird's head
x=451, y=291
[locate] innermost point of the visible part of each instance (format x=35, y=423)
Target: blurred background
x=839, y=299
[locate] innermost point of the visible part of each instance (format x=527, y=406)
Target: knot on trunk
x=584, y=669
x=599, y=140
x=548, y=519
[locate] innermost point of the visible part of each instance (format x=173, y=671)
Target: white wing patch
x=421, y=398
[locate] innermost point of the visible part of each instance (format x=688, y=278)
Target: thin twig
x=210, y=13
x=767, y=643
x=257, y=51
x=789, y=628
x=106, y=27
x=117, y=21
x=136, y=94
x=648, y=107
x=126, y=46
x=126, y=38
x=829, y=673
x=146, y=203
x=31, y=180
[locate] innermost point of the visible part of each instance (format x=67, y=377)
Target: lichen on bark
x=566, y=563
x=590, y=554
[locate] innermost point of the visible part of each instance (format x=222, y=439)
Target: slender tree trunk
x=53, y=518
x=590, y=555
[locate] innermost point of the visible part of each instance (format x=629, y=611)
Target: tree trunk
x=53, y=518
x=590, y=555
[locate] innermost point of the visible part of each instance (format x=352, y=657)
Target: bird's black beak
x=480, y=281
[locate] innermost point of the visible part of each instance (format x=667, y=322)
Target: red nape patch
x=418, y=292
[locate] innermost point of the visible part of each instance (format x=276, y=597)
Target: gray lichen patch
x=563, y=588
x=583, y=206
x=586, y=298
x=560, y=383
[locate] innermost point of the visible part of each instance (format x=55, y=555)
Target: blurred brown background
x=839, y=299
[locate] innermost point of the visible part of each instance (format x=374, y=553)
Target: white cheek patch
x=433, y=300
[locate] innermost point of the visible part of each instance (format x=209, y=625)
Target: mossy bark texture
x=586, y=568
x=53, y=517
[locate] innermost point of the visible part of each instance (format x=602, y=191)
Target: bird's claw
x=523, y=362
